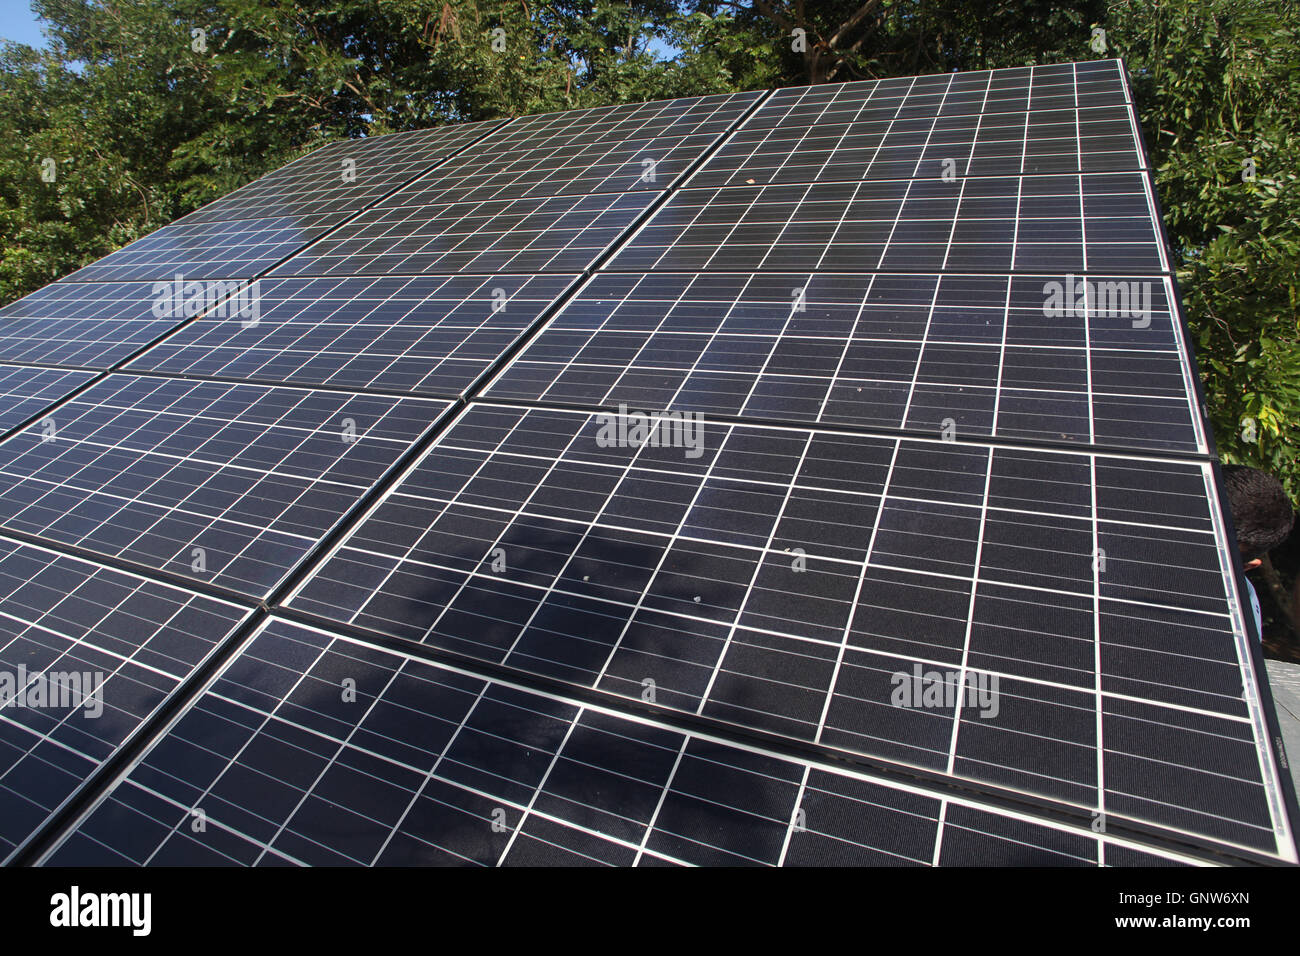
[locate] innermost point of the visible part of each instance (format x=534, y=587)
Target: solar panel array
x=805, y=477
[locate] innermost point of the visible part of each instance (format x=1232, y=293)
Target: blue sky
x=18, y=23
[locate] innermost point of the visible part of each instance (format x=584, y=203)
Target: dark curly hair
x=1261, y=511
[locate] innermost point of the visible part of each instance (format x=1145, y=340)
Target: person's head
x=1261, y=511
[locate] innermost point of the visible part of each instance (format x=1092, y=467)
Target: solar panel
x=244, y=234
x=876, y=351
x=784, y=579
x=564, y=234
x=912, y=126
x=88, y=324
x=25, y=391
x=87, y=653
x=1099, y=222
x=419, y=766
x=343, y=177
x=813, y=476
x=642, y=146
x=545, y=194
x=429, y=335
x=222, y=483
x=231, y=249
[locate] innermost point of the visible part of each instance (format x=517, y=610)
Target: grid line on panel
x=798, y=803
x=378, y=163
x=28, y=393
x=651, y=825
x=495, y=236
x=475, y=389
x=1287, y=807
x=433, y=769
x=730, y=344
x=381, y=493
x=419, y=335
x=586, y=151
x=964, y=667
x=844, y=352
x=147, y=258
x=1062, y=90
x=875, y=432
x=678, y=239
x=127, y=359
x=857, y=593
x=138, y=638
x=62, y=821
x=821, y=133
x=894, y=225
x=1149, y=839
x=159, y=467
x=549, y=593
x=408, y=554
x=90, y=325
x=265, y=720
x=1098, y=670
x=95, y=379
x=978, y=123
x=307, y=792
x=498, y=231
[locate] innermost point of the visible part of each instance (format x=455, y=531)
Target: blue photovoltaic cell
x=626, y=148
x=98, y=324
x=562, y=234
x=1071, y=117
x=25, y=392
x=543, y=194
x=428, y=335
x=343, y=177
x=226, y=484
x=87, y=653
x=1099, y=222
x=433, y=766
x=248, y=232
x=792, y=580
x=234, y=249
x=994, y=355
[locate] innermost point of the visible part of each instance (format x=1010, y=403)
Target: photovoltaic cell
x=1099, y=222
x=247, y=232
x=563, y=234
x=430, y=335
x=251, y=230
x=995, y=355
x=343, y=177
x=792, y=580
x=87, y=324
x=544, y=194
x=637, y=147
x=228, y=484
x=26, y=392
x=434, y=766
x=232, y=249
x=87, y=653
x=1067, y=118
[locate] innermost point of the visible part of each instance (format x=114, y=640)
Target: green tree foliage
x=838, y=40
x=1217, y=83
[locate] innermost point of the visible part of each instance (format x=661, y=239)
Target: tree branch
x=852, y=22
x=772, y=14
